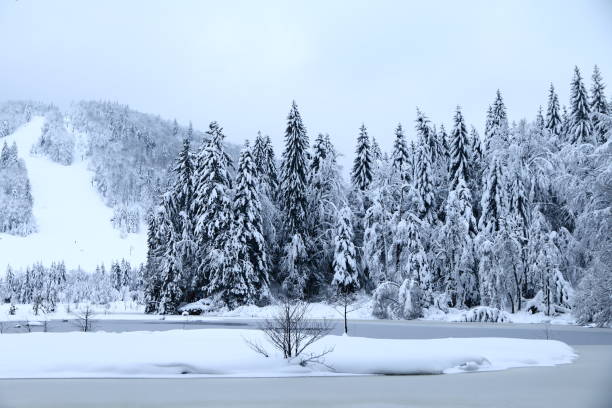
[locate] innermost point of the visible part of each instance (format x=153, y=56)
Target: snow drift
x=224, y=352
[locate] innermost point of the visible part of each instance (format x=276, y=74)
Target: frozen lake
x=572, y=335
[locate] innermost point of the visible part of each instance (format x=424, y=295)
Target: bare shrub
x=291, y=332
x=84, y=318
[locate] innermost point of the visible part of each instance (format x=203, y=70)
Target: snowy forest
x=517, y=219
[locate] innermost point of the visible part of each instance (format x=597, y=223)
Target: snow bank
x=73, y=222
x=486, y=314
x=223, y=352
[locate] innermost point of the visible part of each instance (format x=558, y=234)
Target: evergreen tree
x=459, y=153
x=553, y=120
x=362, y=165
x=265, y=165
x=212, y=206
x=493, y=199
x=580, y=130
x=599, y=106
x=245, y=263
x=375, y=151
x=400, y=154
x=345, y=264
x=424, y=185
x=294, y=204
x=427, y=136
x=170, y=293
x=496, y=136
x=294, y=173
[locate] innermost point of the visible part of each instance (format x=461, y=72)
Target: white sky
x=344, y=62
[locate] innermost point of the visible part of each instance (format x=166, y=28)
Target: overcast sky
x=344, y=62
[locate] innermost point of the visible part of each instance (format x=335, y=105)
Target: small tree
x=345, y=266
x=84, y=318
x=291, y=332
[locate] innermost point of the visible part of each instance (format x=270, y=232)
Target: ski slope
x=73, y=223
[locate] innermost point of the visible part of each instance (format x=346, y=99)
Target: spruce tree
x=375, y=151
x=245, y=273
x=459, y=152
x=294, y=204
x=212, y=206
x=362, y=165
x=400, y=154
x=265, y=165
x=426, y=135
x=294, y=173
x=423, y=180
x=580, y=130
x=170, y=293
x=599, y=106
x=345, y=263
x=496, y=137
x=553, y=118
x=493, y=199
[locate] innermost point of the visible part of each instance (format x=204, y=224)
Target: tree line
x=516, y=220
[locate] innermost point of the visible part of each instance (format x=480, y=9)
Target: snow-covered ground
x=360, y=310
x=223, y=352
x=72, y=220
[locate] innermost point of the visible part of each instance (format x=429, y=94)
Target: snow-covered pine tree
x=599, y=107
x=375, y=151
x=345, y=278
x=294, y=173
x=553, y=118
x=496, y=138
x=245, y=270
x=183, y=220
x=294, y=204
x=493, y=199
x=265, y=164
x=580, y=129
x=170, y=293
x=212, y=206
x=362, y=165
x=427, y=135
x=400, y=155
x=459, y=152
x=423, y=183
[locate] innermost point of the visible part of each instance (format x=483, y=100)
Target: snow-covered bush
x=385, y=300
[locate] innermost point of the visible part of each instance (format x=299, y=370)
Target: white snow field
x=72, y=220
x=224, y=352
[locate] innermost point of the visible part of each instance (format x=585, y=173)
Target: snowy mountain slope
x=73, y=222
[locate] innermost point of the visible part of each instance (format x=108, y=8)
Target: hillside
x=73, y=223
